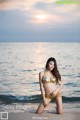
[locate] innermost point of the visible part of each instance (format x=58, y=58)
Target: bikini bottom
x=51, y=97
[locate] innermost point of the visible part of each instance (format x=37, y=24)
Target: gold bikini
x=46, y=80
x=51, y=97
x=52, y=80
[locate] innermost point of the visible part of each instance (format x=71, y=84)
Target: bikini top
x=51, y=80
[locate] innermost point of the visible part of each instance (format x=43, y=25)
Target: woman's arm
x=60, y=85
x=41, y=86
x=58, y=89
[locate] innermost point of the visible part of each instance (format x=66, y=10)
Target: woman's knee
x=39, y=112
x=40, y=109
x=59, y=112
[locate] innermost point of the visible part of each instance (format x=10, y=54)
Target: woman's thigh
x=42, y=107
x=59, y=104
x=47, y=101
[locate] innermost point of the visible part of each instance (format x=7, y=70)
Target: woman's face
x=51, y=65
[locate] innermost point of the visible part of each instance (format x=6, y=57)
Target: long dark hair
x=55, y=71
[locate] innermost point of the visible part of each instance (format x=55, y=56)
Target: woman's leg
x=59, y=104
x=41, y=106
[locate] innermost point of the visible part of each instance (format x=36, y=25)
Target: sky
x=39, y=21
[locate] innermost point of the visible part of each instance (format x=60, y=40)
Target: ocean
x=21, y=62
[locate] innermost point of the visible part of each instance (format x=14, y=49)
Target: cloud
x=67, y=13
x=50, y=18
x=57, y=14
x=16, y=4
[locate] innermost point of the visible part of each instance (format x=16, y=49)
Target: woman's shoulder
x=41, y=73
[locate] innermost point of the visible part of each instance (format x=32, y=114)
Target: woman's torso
x=49, y=82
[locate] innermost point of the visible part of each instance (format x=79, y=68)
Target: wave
x=8, y=99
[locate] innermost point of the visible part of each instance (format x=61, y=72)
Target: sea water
x=21, y=62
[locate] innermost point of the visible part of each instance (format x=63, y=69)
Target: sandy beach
x=27, y=112
x=44, y=116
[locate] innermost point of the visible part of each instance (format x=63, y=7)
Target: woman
x=48, y=79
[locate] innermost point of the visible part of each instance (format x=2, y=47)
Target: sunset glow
x=41, y=18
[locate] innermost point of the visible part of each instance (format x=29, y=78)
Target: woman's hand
x=54, y=93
